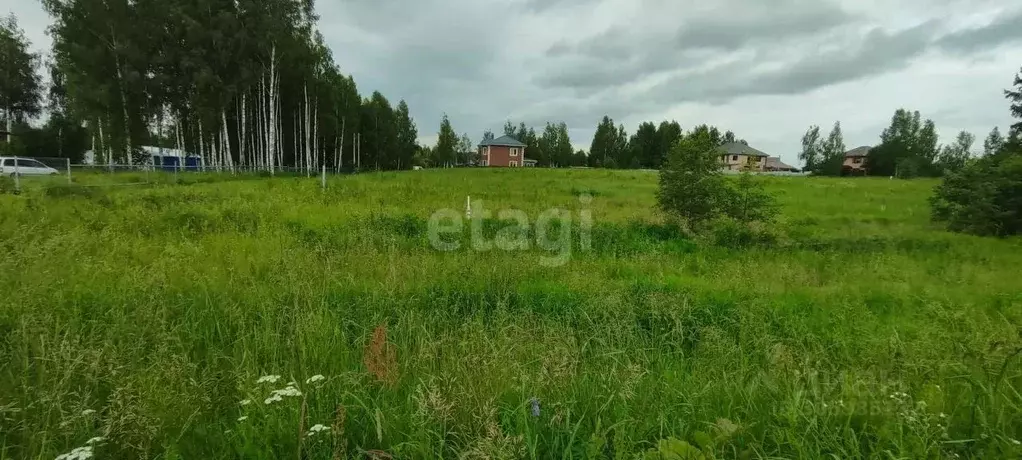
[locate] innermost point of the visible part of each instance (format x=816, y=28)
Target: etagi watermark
x=553, y=231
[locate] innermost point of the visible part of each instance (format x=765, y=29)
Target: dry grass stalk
x=340, y=445
x=380, y=357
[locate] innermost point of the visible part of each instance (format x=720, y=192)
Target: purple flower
x=535, y=406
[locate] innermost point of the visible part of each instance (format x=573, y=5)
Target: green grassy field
x=145, y=315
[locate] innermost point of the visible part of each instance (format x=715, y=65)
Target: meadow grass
x=145, y=315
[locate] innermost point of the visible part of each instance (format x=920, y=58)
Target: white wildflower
x=78, y=453
x=943, y=415
x=315, y=378
x=317, y=428
x=273, y=398
x=245, y=402
x=95, y=440
x=242, y=418
x=1016, y=442
x=288, y=391
x=88, y=412
x=268, y=379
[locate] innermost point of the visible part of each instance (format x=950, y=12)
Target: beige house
x=855, y=161
x=741, y=157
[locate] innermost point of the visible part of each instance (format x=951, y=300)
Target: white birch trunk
x=305, y=129
x=226, y=150
x=315, y=135
x=272, y=136
x=340, y=147
x=124, y=112
x=202, y=150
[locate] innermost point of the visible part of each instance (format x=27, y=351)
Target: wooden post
x=323, y=177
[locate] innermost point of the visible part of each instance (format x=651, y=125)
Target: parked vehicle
x=25, y=167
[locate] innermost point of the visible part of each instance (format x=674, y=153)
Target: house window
x=513, y=163
x=857, y=161
x=514, y=152
x=734, y=158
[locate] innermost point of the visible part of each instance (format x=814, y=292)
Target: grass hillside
x=146, y=315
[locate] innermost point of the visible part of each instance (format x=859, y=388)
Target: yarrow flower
x=245, y=402
x=78, y=453
x=278, y=395
x=288, y=391
x=1016, y=442
x=273, y=398
x=317, y=428
x=87, y=412
x=315, y=378
x=242, y=418
x=268, y=379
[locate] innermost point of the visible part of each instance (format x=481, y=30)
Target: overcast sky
x=766, y=69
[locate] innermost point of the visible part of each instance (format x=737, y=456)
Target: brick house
x=740, y=157
x=502, y=152
x=855, y=161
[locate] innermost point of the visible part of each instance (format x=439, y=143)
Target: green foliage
x=954, y=157
x=994, y=142
x=748, y=201
x=823, y=157
x=811, y=148
x=692, y=187
x=20, y=84
x=159, y=308
x=1015, y=96
x=446, y=151
x=908, y=148
x=694, y=190
x=984, y=198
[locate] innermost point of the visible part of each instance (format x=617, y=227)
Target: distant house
x=740, y=157
x=855, y=161
x=502, y=152
x=775, y=164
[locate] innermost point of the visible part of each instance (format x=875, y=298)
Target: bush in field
x=747, y=201
x=692, y=187
x=694, y=191
x=985, y=198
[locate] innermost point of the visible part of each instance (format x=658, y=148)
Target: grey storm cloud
x=876, y=52
x=1007, y=28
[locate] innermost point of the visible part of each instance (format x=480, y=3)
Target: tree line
x=909, y=146
x=243, y=84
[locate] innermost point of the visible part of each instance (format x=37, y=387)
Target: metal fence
x=49, y=171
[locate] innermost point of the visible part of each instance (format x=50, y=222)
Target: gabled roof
x=736, y=148
x=502, y=141
x=776, y=163
x=858, y=152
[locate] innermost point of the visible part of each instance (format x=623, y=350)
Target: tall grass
x=859, y=331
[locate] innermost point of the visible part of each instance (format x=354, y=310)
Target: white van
x=26, y=167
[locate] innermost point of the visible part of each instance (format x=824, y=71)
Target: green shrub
x=693, y=189
x=985, y=198
x=747, y=201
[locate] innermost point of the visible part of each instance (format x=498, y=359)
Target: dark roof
x=503, y=141
x=776, y=163
x=736, y=148
x=858, y=152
